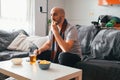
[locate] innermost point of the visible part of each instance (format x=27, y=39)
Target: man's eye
x=55, y=14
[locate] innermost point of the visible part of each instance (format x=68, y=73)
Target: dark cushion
x=100, y=69
x=106, y=45
x=8, y=54
x=7, y=37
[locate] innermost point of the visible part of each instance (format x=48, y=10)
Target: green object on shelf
x=109, y=24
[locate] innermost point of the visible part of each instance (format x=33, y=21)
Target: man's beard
x=58, y=22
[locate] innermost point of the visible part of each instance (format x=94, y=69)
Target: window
x=16, y=14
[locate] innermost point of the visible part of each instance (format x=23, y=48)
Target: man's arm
x=64, y=45
x=44, y=47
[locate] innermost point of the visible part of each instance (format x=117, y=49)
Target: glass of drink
x=32, y=57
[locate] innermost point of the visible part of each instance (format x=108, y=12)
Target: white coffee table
x=26, y=71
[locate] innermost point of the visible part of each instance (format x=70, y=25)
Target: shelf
x=108, y=2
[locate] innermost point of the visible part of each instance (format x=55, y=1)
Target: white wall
x=56, y=3
x=85, y=11
x=77, y=12
x=40, y=18
x=0, y=7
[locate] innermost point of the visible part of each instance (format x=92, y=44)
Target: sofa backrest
x=7, y=37
x=106, y=45
x=86, y=35
x=99, y=43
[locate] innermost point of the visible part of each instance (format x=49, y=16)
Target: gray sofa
x=5, y=39
x=100, y=49
x=101, y=53
x=5, y=54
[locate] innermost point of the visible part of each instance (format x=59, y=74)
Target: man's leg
x=45, y=55
x=68, y=59
x=56, y=58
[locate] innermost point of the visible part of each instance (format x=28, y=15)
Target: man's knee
x=68, y=59
x=63, y=58
x=44, y=55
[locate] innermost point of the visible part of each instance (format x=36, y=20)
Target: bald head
x=57, y=15
x=58, y=10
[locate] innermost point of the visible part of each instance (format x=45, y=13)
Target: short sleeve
x=71, y=34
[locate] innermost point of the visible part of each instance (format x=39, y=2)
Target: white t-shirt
x=71, y=33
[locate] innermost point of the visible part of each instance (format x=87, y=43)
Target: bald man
x=63, y=46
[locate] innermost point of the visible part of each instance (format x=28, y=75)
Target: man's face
x=56, y=16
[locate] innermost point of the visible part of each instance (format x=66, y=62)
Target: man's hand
x=54, y=27
x=37, y=51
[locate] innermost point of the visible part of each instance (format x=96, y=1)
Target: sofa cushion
x=106, y=45
x=7, y=37
x=100, y=69
x=86, y=35
x=8, y=54
x=20, y=43
x=39, y=41
x=24, y=43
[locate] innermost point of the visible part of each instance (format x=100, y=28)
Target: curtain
x=31, y=16
x=17, y=14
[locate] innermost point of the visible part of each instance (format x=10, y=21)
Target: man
x=64, y=41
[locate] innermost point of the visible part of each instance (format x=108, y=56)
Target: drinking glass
x=32, y=57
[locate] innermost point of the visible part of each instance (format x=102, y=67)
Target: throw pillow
x=37, y=40
x=7, y=37
x=24, y=43
x=40, y=41
x=20, y=43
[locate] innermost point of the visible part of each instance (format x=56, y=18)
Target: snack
x=44, y=62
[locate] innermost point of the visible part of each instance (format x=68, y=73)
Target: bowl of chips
x=44, y=64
